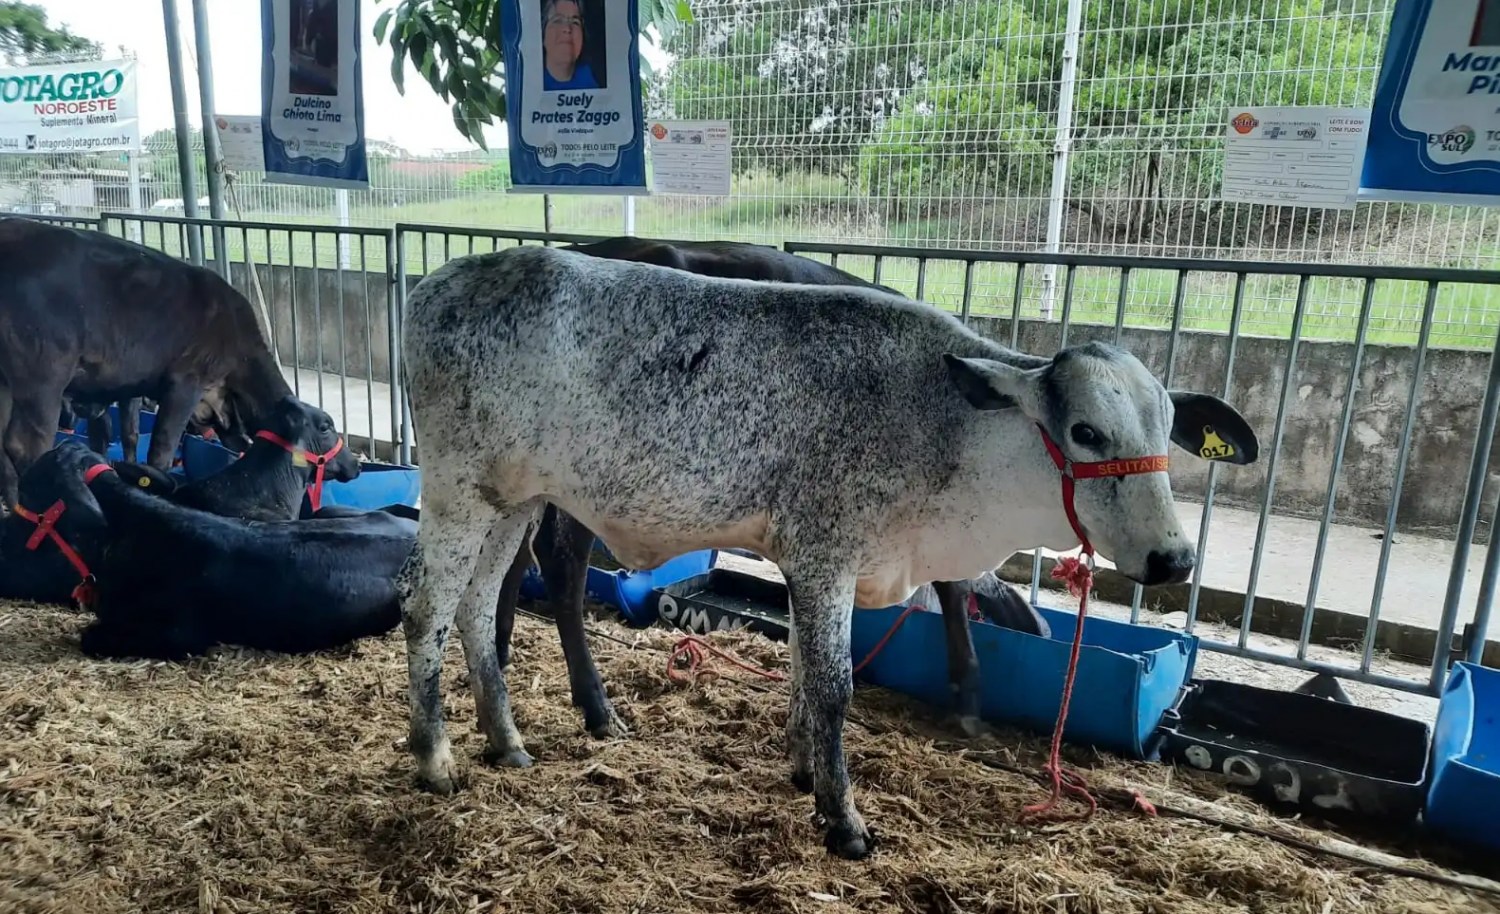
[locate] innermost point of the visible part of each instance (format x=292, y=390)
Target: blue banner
x=1435, y=125
x=573, y=96
x=312, y=91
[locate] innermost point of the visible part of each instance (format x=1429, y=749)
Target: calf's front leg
x=822, y=600
x=172, y=414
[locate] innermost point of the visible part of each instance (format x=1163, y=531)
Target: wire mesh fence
x=935, y=124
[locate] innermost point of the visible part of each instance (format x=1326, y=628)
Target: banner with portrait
x=1435, y=124
x=312, y=91
x=573, y=96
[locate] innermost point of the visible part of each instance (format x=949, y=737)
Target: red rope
x=1080, y=579
x=690, y=650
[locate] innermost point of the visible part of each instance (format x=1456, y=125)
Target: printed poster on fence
x=313, y=114
x=69, y=108
x=573, y=96
x=1435, y=126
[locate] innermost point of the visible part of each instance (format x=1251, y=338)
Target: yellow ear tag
x=1214, y=447
x=144, y=482
x=298, y=460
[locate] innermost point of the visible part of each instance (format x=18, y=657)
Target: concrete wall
x=1443, y=437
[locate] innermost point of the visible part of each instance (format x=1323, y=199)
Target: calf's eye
x=1085, y=435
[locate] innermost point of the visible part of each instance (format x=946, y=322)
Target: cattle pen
x=247, y=782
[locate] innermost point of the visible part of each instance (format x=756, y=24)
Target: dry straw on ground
x=251, y=783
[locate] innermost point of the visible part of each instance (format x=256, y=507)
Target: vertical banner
x=313, y=108
x=72, y=108
x=573, y=96
x=1435, y=125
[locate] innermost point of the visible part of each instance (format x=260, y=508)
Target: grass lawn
x=1464, y=316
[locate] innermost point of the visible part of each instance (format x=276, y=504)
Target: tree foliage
x=25, y=33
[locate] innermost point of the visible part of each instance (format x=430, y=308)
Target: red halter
x=320, y=461
x=46, y=528
x=1098, y=469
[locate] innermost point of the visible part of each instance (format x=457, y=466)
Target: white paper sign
x=240, y=141
x=1295, y=156
x=690, y=157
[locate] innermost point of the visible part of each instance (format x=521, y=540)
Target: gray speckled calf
x=864, y=442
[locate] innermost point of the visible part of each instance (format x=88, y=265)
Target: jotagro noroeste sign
x=69, y=108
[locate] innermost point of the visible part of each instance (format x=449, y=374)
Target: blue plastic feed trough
x=630, y=592
x=1463, y=799
x=201, y=457
x=1128, y=675
x=378, y=485
x=115, y=451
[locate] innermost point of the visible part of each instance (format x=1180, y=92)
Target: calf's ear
x=988, y=384
x=1212, y=429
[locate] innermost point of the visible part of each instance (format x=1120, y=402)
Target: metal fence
x=999, y=124
x=311, y=318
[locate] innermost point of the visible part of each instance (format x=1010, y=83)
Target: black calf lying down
x=174, y=581
x=48, y=548
x=295, y=453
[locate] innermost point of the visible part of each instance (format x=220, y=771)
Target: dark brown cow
x=103, y=319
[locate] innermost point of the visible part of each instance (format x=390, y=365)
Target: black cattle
x=730, y=259
x=290, y=586
x=563, y=544
x=48, y=548
x=102, y=319
x=298, y=450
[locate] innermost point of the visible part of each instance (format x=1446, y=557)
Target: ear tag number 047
x=1214, y=447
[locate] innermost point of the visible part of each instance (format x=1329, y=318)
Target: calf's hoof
x=849, y=841
x=606, y=725
x=438, y=773
x=802, y=780
x=513, y=758
x=974, y=727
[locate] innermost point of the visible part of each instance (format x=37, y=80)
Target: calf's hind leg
x=963, y=662
x=429, y=584
x=562, y=548
x=822, y=598
x=476, y=625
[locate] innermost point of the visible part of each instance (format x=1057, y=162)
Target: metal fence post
x=401, y=432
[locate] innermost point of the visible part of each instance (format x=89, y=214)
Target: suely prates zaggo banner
x=69, y=108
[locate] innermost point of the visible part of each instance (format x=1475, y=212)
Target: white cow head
x=1099, y=403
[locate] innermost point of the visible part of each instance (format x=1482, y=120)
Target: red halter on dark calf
x=1080, y=580
x=46, y=528
x=314, y=491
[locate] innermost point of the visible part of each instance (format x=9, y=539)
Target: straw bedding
x=247, y=782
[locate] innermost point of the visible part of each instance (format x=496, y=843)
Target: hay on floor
x=245, y=783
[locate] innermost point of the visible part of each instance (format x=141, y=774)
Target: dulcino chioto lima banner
x=69, y=108
x=312, y=91
x=573, y=96
x=1435, y=125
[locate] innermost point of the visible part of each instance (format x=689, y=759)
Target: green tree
x=25, y=33
x=455, y=46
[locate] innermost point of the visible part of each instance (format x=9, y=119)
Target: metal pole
x=342, y=197
x=134, y=159
x=547, y=213
x=1468, y=519
x=630, y=216
x=1061, y=147
x=180, y=122
x=213, y=156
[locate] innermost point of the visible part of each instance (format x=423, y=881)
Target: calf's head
x=310, y=432
x=1099, y=405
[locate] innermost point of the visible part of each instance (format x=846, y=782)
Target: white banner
x=69, y=108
